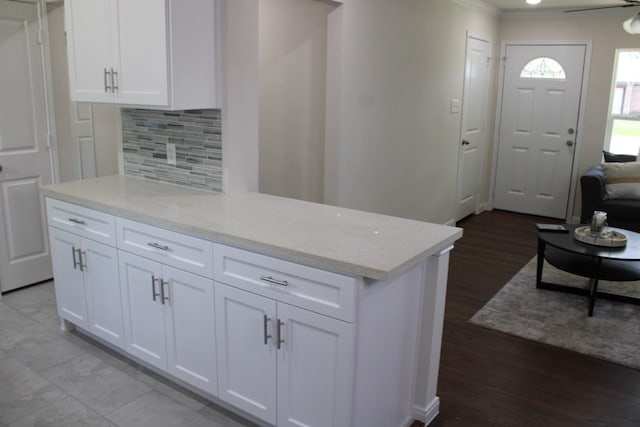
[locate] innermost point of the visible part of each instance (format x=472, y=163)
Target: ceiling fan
x=631, y=25
x=627, y=3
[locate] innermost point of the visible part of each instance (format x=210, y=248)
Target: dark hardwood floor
x=494, y=379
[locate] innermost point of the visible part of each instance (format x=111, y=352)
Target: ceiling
x=567, y=4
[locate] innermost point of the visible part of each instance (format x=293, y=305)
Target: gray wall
x=293, y=61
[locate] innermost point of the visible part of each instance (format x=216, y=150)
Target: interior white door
x=540, y=108
x=24, y=149
x=83, y=142
x=473, y=136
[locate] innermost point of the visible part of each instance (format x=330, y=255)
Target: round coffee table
x=596, y=263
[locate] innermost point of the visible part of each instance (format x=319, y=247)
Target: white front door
x=474, y=113
x=540, y=107
x=24, y=149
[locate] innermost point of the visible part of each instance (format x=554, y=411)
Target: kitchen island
x=290, y=312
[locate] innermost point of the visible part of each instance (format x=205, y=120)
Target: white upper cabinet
x=147, y=53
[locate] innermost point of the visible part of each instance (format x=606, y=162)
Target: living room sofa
x=621, y=212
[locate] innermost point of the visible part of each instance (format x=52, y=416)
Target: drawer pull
x=77, y=221
x=266, y=332
x=279, y=339
x=274, y=281
x=158, y=246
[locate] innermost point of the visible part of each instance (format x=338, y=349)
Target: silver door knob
x=569, y=143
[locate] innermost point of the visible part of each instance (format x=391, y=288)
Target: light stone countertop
x=341, y=240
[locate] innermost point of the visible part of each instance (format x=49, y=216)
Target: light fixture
x=632, y=25
x=533, y=1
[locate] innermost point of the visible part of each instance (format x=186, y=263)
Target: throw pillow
x=618, y=158
x=622, y=180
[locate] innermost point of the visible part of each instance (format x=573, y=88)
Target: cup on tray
x=598, y=222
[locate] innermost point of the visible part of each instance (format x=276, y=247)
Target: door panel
x=474, y=113
x=143, y=316
x=537, y=142
x=92, y=53
x=247, y=365
x=316, y=356
x=143, y=72
x=103, y=291
x=70, y=290
x=24, y=153
x=190, y=328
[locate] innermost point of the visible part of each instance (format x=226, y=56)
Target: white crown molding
x=479, y=5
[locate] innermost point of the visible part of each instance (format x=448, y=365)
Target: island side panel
x=386, y=349
x=426, y=404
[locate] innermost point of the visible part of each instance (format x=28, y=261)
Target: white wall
x=393, y=144
x=293, y=52
x=605, y=30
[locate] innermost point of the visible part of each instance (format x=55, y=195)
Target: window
x=623, y=124
x=543, y=68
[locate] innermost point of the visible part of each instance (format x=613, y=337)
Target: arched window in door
x=543, y=68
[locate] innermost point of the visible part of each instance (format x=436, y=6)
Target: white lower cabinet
x=282, y=364
x=87, y=291
x=169, y=319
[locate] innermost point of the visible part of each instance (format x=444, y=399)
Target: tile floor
x=53, y=378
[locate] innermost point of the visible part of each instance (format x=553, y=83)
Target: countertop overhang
x=342, y=240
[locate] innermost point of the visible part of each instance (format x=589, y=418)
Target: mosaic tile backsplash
x=198, y=139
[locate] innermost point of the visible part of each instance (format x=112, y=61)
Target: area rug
x=560, y=319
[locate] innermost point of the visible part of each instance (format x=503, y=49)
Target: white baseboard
x=428, y=413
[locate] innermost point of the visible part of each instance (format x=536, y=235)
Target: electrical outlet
x=171, y=153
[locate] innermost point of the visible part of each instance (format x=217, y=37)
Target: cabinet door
x=246, y=352
x=68, y=280
x=90, y=32
x=315, y=369
x=142, y=52
x=142, y=309
x=103, y=291
x=190, y=326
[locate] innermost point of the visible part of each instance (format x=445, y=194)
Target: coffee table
x=596, y=263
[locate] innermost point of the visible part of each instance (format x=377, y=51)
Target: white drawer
x=306, y=287
x=85, y=222
x=168, y=247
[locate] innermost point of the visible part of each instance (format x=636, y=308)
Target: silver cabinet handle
x=75, y=261
x=107, y=78
x=465, y=142
x=77, y=221
x=164, y=297
x=279, y=339
x=114, y=80
x=0, y=168
x=83, y=266
x=158, y=246
x=154, y=294
x=275, y=281
x=266, y=333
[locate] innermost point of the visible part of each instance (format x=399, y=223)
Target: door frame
x=48, y=89
x=581, y=109
x=478, y=204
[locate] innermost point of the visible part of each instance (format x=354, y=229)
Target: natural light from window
x=543, y=68
x=623, y=126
